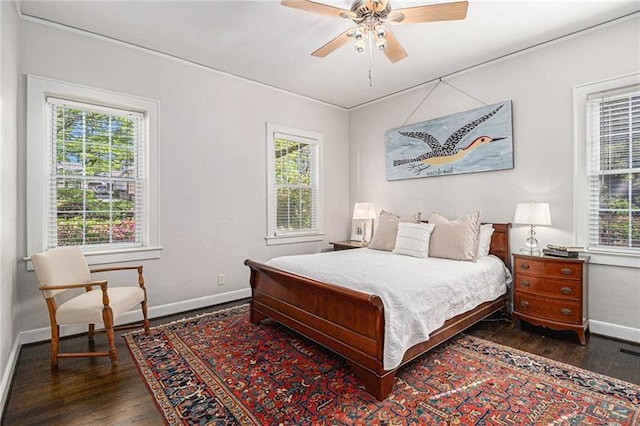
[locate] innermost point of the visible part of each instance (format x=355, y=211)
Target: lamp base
x=531, y=251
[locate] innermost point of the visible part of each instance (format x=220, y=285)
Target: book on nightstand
x=564, y=248
x=560, y=253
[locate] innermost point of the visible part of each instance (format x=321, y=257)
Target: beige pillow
x=413, y=239
x=455, y=239
x=384, y=237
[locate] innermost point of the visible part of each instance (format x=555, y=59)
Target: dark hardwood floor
x=84, y=391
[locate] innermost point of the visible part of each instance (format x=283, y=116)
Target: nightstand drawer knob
x=524, y=304
x=565, y=290
x=566, y=311
x=524, y=266
x=566, y=271
x=524, y=283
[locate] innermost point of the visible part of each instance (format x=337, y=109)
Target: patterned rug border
x=185, y=319
x=168, y=414
x=501, y=346
x=246, y=417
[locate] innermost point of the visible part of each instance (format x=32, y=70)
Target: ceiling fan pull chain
x=370, y=55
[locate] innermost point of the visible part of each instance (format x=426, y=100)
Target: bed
x=351, y=323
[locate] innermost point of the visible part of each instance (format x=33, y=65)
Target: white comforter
x=419, y=295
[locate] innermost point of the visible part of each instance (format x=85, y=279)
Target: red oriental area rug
x=221, y=369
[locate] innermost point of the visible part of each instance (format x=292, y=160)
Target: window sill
x=114, y=256
x=293, y=239
x=600, y=257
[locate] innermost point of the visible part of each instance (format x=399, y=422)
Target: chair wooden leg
x=55, y=336
x=92, y=330
x=107, y=316
x=145, y=322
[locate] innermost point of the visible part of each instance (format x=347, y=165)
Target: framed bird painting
x=477, y=140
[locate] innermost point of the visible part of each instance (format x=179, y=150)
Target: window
x=294, y=207
x=614, y=169
x=96, y=181
x=607, y=179
x=91, y=171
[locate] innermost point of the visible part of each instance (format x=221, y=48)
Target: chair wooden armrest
x=117, y=268
x=69, y=286
x=123, y=268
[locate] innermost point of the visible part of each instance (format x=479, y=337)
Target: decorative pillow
x=455, y=239
x=484, y=240
x=413, y=239
x=384, y=237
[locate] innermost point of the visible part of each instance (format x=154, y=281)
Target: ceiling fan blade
x=332, y=45
x=430, y=13
x=394, y=50
x=311, y=6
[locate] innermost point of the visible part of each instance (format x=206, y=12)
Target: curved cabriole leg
x=378, y=386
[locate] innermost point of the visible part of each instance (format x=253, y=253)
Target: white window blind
x=613, y=168
x=96, y=191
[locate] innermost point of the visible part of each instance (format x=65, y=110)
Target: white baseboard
x=616, y=331
x=7, y=375
x=42, y=334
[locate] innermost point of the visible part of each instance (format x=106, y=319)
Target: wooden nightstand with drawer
x=551, y=292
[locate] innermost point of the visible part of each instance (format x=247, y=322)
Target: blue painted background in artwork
x=497, y=155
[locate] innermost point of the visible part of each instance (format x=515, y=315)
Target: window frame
x=39, y=166
x=581, y=200
x=311, y=137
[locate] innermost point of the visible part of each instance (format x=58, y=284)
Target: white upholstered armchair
x=64, y=268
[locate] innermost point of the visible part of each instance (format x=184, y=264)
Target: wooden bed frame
x=349, y=322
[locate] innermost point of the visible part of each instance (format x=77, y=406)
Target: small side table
x=552, y=292
x=346, y=245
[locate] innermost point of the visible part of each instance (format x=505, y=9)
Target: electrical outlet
x=220, y=279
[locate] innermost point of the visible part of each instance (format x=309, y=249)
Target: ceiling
x=271, y=44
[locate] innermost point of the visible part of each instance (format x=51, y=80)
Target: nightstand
x=346, y=245
x=551, y=292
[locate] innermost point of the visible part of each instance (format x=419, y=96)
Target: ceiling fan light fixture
x=381, y=43
x=359, y=45
x=359, y=32
x=381, y=31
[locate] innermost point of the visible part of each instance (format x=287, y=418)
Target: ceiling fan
x=371, y=17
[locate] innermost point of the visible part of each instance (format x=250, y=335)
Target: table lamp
x=364, y=212
x=532, y=214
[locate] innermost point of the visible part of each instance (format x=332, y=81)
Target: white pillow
x=413, y=239
x=484, y=240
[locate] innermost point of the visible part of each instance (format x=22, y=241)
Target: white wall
x=8, y=146
x=212, y=162
x=539, y=83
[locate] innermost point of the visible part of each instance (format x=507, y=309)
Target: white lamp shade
x=363, y=211
x=532, y=214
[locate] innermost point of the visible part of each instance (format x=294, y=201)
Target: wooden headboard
x=500, y=243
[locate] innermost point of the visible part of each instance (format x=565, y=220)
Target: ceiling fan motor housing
x=363, y=10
